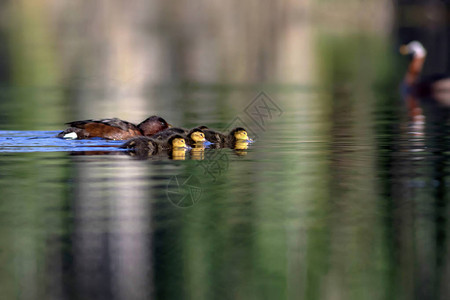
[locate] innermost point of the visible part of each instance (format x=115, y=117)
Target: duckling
x=196, y=138
x=236, y=134
x=175, y=141
x=176, y=145
x=143, y=147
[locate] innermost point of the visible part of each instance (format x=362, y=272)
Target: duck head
x=415, y=48
x=152, y=125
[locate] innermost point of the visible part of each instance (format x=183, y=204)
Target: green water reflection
x=307, y=212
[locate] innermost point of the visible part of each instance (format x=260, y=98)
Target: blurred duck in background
x=435, y=87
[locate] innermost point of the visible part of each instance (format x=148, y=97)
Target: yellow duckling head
x=197, y=136
x=240, y=134
x=178, y=142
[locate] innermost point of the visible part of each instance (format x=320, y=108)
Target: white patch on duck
x=70, y=136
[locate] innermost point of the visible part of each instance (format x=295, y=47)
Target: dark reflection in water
x=417, y=190
x=418, y=185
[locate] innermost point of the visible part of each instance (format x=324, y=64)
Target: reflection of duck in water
x=113, y=129
x=436, y=87
x=240, y=147
x=143, y=147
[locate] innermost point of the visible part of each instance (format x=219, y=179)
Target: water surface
x=341, y=201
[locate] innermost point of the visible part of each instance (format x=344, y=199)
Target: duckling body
x=167, y=133
x=214, y=137
x=229, y=140
x=142, y=146
x=113, y=129
x=145, y=146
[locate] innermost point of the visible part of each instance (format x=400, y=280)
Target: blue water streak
x=46, y=141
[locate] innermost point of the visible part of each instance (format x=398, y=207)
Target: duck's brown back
x=114, y=129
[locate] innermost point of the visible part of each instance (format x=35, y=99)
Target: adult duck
x=113, y=129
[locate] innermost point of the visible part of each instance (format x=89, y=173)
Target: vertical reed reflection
x=112, y=230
